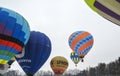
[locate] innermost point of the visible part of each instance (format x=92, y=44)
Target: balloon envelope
x=36, y=53
x=59, y=64
x=109, y=9
x=81, y=42
x=14, y=34
x=75, y=58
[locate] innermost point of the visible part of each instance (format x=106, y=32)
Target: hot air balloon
x=35, y=53
x=14, y=34
x=75, y=58
x=59, y=64
x=81, y=42
x=109, y=9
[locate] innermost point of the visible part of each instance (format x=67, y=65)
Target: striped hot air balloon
x=109, y=9
x=81, y=42
x=14, y=34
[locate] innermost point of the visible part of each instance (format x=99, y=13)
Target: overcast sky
x=59, y=18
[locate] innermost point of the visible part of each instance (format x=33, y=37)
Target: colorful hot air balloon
x=35, y=53
x=109, y=9
x=81, y=42
x=59, y=65
x=75, y=58
x=14, y=34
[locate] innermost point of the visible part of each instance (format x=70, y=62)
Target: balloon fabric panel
x=108, y=17
x=77, y=39
x=15, y=24
x=118, y=1
x=109, y=9
x=112, y=5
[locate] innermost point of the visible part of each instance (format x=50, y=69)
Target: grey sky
x=59, y=18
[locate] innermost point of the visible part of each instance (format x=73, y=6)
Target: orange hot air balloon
x=81, y=42
x=59, y=65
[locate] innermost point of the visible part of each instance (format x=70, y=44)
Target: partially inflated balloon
x=35, y=53
x=109, y=9
x=81, y=42
x=14, y=34
x=75, y=58
x=59, y=65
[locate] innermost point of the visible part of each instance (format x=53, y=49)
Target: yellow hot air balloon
x=59, y=65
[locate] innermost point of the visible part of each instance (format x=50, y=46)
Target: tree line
x=102, y=69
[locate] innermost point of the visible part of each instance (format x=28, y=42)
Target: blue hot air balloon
x=14, y=34
x=75, y=58
x=35, y=53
